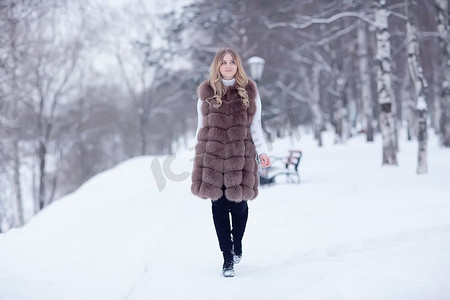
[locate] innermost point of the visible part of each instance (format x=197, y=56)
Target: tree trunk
x=408, y=107
x=315, y=107
x=422, y=165
x=338, y=114
x=437, y=110
x=42, y=152
x=443, y=31
x=15, y=116
x=411, y=119
x=17, y=184
x=366, y=93
x=143, y=132
x=350, y=118
x=384, y=88
x=419, y=84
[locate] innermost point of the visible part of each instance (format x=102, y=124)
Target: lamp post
x=256, y=67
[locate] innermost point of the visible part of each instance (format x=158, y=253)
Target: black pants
x=221, y=210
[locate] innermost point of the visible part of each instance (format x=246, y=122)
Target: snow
x=352, y=229
x=421, y=103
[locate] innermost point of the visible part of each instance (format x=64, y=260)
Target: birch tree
x=313, y=88
x=339, y=79
x=444, y=36
x=14, y=57
x=366, y=93
x=383, y=57
x=419, y=84
x=409, y=103
x=384, y=81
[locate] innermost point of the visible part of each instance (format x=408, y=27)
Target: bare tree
x=383, y=56
x=366, y=93
x=50, y=65
x=16, y=41
x=339, y=81
x=419, y=83
x=15, y=116
x=384, y=88
x=142, y=63
x=409, y=104
x=444, y=33
x=309, y=91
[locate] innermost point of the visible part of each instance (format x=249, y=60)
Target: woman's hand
x=264, y=160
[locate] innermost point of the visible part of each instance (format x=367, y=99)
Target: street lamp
x=256, y=67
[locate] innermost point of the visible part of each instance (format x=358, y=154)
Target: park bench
x=288, y=166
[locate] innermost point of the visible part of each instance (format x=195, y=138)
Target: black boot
x=228, y=269
x=228, y=265
x=237, y=251
x=239, y=215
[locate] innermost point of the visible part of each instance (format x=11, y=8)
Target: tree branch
x=310, y=21
x=288, y=89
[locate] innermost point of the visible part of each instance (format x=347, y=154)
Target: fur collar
x=205, y=90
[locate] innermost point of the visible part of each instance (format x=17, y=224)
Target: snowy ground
x=351, y=230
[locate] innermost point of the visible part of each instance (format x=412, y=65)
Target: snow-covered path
x=351, y=230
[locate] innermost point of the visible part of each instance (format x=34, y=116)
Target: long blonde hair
x=215, y=79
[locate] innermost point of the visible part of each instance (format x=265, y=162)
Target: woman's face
x=228, y=68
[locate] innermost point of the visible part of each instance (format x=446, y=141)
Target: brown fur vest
x=225, y=154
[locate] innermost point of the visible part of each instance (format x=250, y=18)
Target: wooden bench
x=288, y=166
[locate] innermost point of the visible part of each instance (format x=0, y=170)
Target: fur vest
x=225, y=155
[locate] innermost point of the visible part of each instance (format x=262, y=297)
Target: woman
x=229, y=136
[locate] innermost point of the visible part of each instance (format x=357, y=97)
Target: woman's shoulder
x=205, y=90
